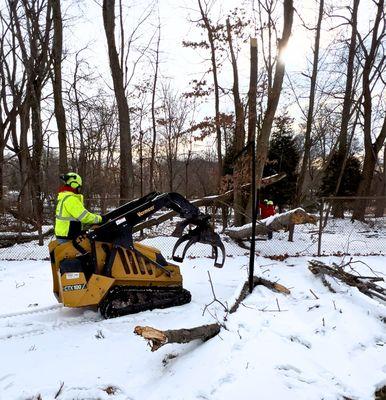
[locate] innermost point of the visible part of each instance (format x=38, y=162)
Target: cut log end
x=155, y=337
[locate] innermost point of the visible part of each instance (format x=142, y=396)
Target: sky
x=176, y=18
x=84, y=32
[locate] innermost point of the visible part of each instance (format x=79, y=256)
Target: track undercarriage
x=124, y=300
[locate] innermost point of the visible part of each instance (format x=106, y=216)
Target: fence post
x=320, y=226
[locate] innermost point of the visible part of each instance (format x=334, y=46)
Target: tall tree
x=126, y=161
x=153, y=118
x=210, y=30
x=239, y=136
x=373, y=69
x=310, y=112
x=57, y=53
x=274, y=93
x=35, y=43
x=348, y=93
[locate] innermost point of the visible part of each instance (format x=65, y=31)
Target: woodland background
x=135, y=129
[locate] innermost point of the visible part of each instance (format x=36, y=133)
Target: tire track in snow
x=36, y=328
x=31, y=312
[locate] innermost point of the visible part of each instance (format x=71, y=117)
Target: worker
x=71, y=215
x=267, y=209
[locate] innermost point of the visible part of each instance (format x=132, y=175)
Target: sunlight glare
x=295, y=53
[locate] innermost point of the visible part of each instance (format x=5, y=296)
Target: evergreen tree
x=350, y=179
x=283, y=156
x=348, y=185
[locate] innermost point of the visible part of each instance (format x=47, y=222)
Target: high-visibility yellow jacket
x=71, y=215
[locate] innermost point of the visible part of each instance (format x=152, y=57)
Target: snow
x=275, y=346
x=45, y=229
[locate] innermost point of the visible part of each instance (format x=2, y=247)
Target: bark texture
x=157, y=338
x=60, y=114
x=310, y=113
x=125, y=157
x=211, y=40
x=278, y=222
x=372, y=148
x=239, y=138
x=274, y=93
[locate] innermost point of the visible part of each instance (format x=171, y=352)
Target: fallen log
x=157, y=338
x=273, y=224
x=257, y=281
x=18, y=238
x=365, y=284
x=216, y=200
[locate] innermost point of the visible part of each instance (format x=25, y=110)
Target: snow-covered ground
x=304, y=345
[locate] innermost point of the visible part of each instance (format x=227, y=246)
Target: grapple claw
x=201, y=234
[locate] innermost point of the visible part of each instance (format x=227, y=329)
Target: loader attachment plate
x=201, y=234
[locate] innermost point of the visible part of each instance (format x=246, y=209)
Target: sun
x=294, y=55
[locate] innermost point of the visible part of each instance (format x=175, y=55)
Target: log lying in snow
x=257, y=281
x=275, y=223
x=157, y=338
x=217, y=200
x=10, y=240
x=365, y=284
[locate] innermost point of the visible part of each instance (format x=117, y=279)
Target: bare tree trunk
x=38, y=21
x=280, y=222
x=126, y=162
x=82, y=149
x=239, y=138
x=60, y=114
x=274, y=94
x=23, y=154
x=35, y=173
x=381, y=203
x=348, y=94
x=371, y=149
x=343, y=150
x=310, y=114
x=153, y=144
x=252, y=117
x=369, y=163
x=2, y=146
x=209, y=29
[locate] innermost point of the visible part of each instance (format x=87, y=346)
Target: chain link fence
x=335, y=234
x=340, y=233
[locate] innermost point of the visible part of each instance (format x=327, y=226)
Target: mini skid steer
x=104, y=267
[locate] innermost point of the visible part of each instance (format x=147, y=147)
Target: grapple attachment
x=204, y=234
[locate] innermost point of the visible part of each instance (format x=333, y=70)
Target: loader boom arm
x=118, y=224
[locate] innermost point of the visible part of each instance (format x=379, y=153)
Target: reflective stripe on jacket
x=71, y=215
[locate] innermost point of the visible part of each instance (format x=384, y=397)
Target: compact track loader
x=104, y=267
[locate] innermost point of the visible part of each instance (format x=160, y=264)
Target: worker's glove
x=104, y=219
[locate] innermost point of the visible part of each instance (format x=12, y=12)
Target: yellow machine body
x=79, y=282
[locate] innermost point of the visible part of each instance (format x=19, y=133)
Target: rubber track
x=122, y=300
